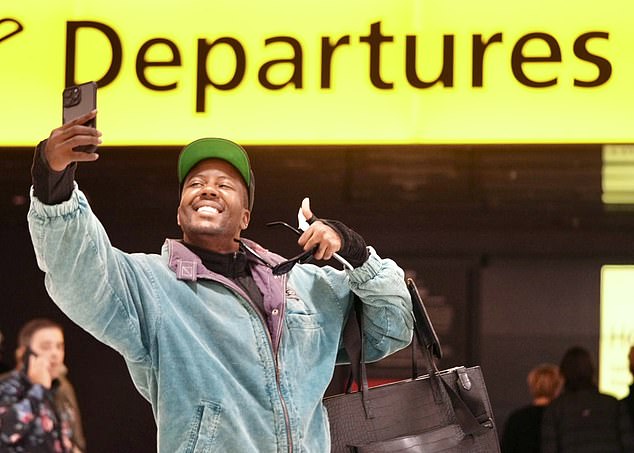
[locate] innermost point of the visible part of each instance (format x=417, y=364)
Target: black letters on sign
x=414, y=65
x=71, y=48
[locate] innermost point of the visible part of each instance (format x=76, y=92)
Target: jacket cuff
x=367, y=271
x=51, y=187
x=45, y=211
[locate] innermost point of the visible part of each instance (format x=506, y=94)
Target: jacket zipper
x=275, y=351
x=287, y=420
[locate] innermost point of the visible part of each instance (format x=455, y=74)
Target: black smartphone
x=79, y=100
x=28, y=352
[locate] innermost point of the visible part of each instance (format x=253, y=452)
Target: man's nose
x=210, y=190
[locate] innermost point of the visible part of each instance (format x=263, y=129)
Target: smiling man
x=214, y=201
x=232, y=345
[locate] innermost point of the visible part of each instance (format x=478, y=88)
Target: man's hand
x=319, y=235
x=39, y=371
x=59, y=147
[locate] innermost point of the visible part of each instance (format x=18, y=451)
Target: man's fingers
x=80, y=140
x=77, y=140
x=79, y=129
x=323, y=237
x=68, y=131
x=323, y=252
x=81, y=119
x=304, y=238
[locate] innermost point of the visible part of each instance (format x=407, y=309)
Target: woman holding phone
x=38, y=408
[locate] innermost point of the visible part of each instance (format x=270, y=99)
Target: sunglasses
x=285, y=266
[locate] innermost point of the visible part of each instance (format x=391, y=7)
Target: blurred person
x=629, y=399
x=522, y=431
x=233, y=345
x=4, y=367
x=581, y=419
x=38, y=407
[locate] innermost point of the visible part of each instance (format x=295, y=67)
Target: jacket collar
x=188, y=266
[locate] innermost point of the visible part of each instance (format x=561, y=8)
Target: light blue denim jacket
x=219, y=376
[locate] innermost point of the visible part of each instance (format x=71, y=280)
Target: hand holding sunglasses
x=305, y=256
x=303, y=219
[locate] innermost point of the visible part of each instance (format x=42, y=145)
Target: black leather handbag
x=439, y=411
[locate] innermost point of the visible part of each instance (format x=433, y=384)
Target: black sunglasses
x=285, y=266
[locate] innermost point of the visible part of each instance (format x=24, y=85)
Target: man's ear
x=246, y=218
x=178, y=218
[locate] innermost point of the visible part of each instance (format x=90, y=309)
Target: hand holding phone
x=78, y=133
x=26, y=357
x=36, y=368
x=79, y=100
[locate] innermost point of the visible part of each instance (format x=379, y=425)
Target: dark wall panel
x=532, y=311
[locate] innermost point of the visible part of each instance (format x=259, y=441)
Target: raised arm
x=99, y=287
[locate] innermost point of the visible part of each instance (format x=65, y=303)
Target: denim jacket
x=220, y=374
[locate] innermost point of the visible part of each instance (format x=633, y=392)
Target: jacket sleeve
x=387, y=306
x=102, y=289
x=17, y=418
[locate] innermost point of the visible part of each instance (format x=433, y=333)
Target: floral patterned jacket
x=30, y=421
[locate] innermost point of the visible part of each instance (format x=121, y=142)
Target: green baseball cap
x=217, y=148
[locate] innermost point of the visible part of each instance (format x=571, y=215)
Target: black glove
x=353, y=246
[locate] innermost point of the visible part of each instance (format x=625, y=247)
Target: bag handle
x=425, y=337
x=422, y=325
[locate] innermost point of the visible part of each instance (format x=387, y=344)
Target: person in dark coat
x=629, y=399
x=4, y=367
x=522, y=431
x=581, y=419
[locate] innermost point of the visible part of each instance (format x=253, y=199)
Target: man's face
x=213, y=206
x=632, y=360
x=49, y=342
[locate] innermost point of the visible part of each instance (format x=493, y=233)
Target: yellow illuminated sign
x=328, y=72
x=617, y=329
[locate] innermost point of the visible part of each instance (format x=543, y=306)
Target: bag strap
x=426, y=338
x=465, y=407
x=422, y=325
x=352, y=344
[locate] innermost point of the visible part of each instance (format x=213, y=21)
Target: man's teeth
x=207, y=209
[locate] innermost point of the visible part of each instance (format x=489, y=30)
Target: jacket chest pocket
x=203, y=427
x=304, y=336
x=299, y=316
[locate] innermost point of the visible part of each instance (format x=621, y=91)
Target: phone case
x=79, y=100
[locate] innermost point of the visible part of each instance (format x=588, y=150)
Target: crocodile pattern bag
x=440, y=411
